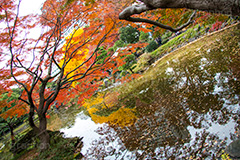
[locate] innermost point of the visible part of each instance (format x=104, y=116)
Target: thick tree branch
x=230, y=7
x=132, y=19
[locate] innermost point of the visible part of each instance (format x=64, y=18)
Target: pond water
x=188, y=110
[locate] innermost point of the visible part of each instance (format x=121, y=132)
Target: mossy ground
x=57, y=121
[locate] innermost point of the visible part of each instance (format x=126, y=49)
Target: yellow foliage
x=94, y=103
x=225, y=156
x=75, y=33
x=92, y=110
x=122, y=117
x=71, y=38
x=77, y=58
x=101, y=101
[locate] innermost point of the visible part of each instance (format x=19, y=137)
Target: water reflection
x=83, y=127
x=189, y=111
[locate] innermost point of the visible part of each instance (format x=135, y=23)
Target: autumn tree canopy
x=63, y=61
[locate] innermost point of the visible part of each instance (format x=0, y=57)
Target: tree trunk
x=31, y=120
x=40, y=131
x=43, y=134
x=12, y=134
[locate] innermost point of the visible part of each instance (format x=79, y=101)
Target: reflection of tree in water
x=210, y=88
x=110, y=146
x=198, y=92
x=62, y=119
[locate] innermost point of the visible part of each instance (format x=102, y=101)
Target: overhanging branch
x=229, y=7
x=132, y=19
x=126, y=15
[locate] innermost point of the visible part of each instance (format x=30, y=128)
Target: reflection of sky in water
x=223, y=131
x=218, y=89
x=86, y=128
x=83, y=127
x=169, y=70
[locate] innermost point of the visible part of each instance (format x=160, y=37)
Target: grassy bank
x=189, y=51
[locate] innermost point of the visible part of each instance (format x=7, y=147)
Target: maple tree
x=64, y=61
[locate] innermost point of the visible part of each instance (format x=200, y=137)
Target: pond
x=188, y=109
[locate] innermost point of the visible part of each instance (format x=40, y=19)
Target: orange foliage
x=18, y=108
x=38, y=60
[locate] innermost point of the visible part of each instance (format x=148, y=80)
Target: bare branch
x=82, y=75
x=24, y=100
x=11, y=35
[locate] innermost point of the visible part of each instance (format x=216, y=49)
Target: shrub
x=152, y=46
x=216, y=26
x=129, y=34
x=143, y=36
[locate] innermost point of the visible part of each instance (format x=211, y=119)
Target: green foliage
x=144, y=36
x=68, y=2
x=130, y=61
x=88, y=2
x=165, y=37
x=2, y=17
x=14, y=95
x=129, y=34
x=3, y=126
x=111, y=49
x=118, y=44
x=13, y=121
x=152, y=46
x=176, y=41
x=103, y=56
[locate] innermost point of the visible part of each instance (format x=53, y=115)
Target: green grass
x=188, y=51
x=146, y=59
